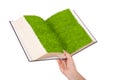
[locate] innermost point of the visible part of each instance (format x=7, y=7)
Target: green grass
x=70, y=32
x=60, y=31
x=44, y=33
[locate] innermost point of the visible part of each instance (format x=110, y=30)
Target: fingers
x=62, y=64
x=67, y=55
x=69, y=58
x=59, y=62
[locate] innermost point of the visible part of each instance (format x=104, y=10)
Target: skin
x=68, y=68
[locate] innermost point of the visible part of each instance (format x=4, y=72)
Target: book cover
x=46, y=39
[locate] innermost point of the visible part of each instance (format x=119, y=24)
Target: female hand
x=68, y=68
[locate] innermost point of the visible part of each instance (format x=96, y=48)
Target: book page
x=71, y=33
x=46, y=36
x=28, y=40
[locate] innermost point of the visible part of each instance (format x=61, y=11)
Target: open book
x=46, y=39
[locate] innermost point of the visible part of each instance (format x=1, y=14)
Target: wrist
x=73, y=75
x=76, y=76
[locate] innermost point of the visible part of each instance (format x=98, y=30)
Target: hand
x=68, y=68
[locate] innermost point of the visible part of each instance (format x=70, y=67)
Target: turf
x=69, y=31
x=44, y=33
x=59, y=32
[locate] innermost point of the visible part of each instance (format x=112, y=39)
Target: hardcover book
x=46, y=39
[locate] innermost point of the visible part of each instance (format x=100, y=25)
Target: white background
x=100, y=61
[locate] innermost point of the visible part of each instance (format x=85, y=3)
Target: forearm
x=76, y=76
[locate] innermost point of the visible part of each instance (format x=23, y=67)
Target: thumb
x=67, y=54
